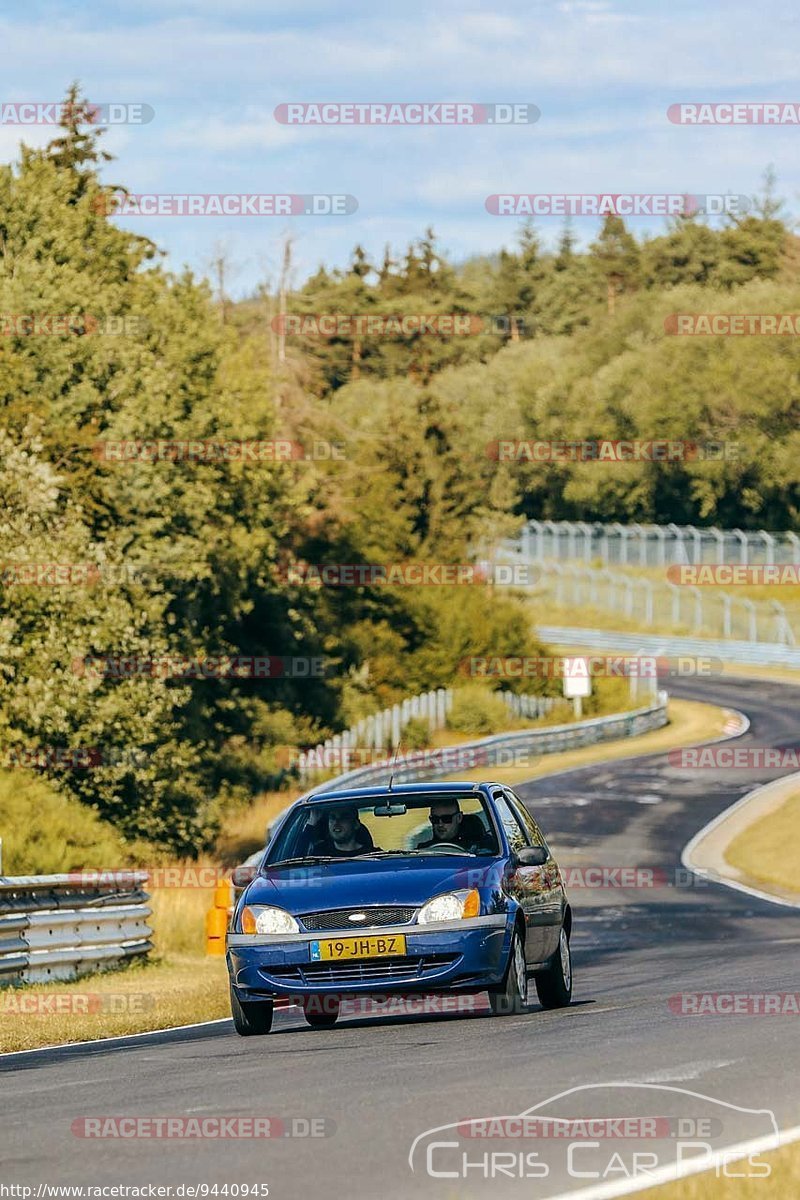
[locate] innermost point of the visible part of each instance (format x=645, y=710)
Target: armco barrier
x=759, y=654
x=58, y=926
x=501, y=749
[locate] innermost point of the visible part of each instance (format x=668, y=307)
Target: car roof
x=401, y=789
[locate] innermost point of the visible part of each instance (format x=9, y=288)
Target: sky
x=602, y=73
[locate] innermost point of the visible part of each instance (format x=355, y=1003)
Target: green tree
x=615, y=257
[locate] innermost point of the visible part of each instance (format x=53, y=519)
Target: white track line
x=693, y=1166
x=125, y=1037
x=691, y=846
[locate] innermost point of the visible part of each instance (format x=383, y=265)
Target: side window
x=517, y=838
x=530, y=826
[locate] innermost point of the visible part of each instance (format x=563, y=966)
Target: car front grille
x=392, y=914
x=364, y=971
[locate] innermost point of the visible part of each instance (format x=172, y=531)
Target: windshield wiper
x=383, y=853
x=301, y=859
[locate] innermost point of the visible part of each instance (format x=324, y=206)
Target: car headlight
x=260, y=919
x=450, y=906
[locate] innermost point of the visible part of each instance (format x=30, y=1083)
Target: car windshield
x=390, y=825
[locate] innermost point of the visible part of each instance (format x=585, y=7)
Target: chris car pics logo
x=602, y=1135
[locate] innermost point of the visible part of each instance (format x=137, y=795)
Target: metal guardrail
x=501, y=749
x=758, y=654
x=56, y=927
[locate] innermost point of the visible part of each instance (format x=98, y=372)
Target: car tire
x=509, y=999
x=321, y=1012
x=554, y=985
x=253, y=1018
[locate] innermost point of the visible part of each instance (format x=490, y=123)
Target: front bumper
x=450, y=956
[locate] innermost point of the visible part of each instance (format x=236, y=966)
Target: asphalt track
x=384, y=1081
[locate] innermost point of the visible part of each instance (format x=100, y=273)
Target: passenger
x=346, y=835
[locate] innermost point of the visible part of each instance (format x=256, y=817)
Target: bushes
x=45, y=832
x=477, y=711
x=416, y=734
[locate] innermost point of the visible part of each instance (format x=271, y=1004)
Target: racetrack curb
x=704, y=854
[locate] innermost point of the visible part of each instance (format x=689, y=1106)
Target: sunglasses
x=445, y=820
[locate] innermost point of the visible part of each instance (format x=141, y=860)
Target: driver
x=450, y=825
x=445, y=818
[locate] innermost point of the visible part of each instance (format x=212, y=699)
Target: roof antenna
x=394, y=760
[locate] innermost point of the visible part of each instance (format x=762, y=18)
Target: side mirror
x=532, y=856
x=241, y=876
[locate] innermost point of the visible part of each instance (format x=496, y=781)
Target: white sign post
x=577, y=682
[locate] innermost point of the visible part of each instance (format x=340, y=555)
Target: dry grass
x=144, y=996
x=769, y=849
x=245, y=829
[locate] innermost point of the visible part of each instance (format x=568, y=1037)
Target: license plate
x=359, y=947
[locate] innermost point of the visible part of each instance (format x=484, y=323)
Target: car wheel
x=251, y=1018
x=554, y=986
x=510, y=997
x=321, y=1012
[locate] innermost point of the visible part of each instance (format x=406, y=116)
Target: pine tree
x=615, y=255
x=78, y=147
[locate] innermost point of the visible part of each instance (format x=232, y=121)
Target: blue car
x=419, y=888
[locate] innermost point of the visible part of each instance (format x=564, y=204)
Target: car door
x=550, y=897
x=523, y=882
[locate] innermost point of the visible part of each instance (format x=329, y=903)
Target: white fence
x=704, y=611
x=56, y=927
x=656, y=545
x=384, y=730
